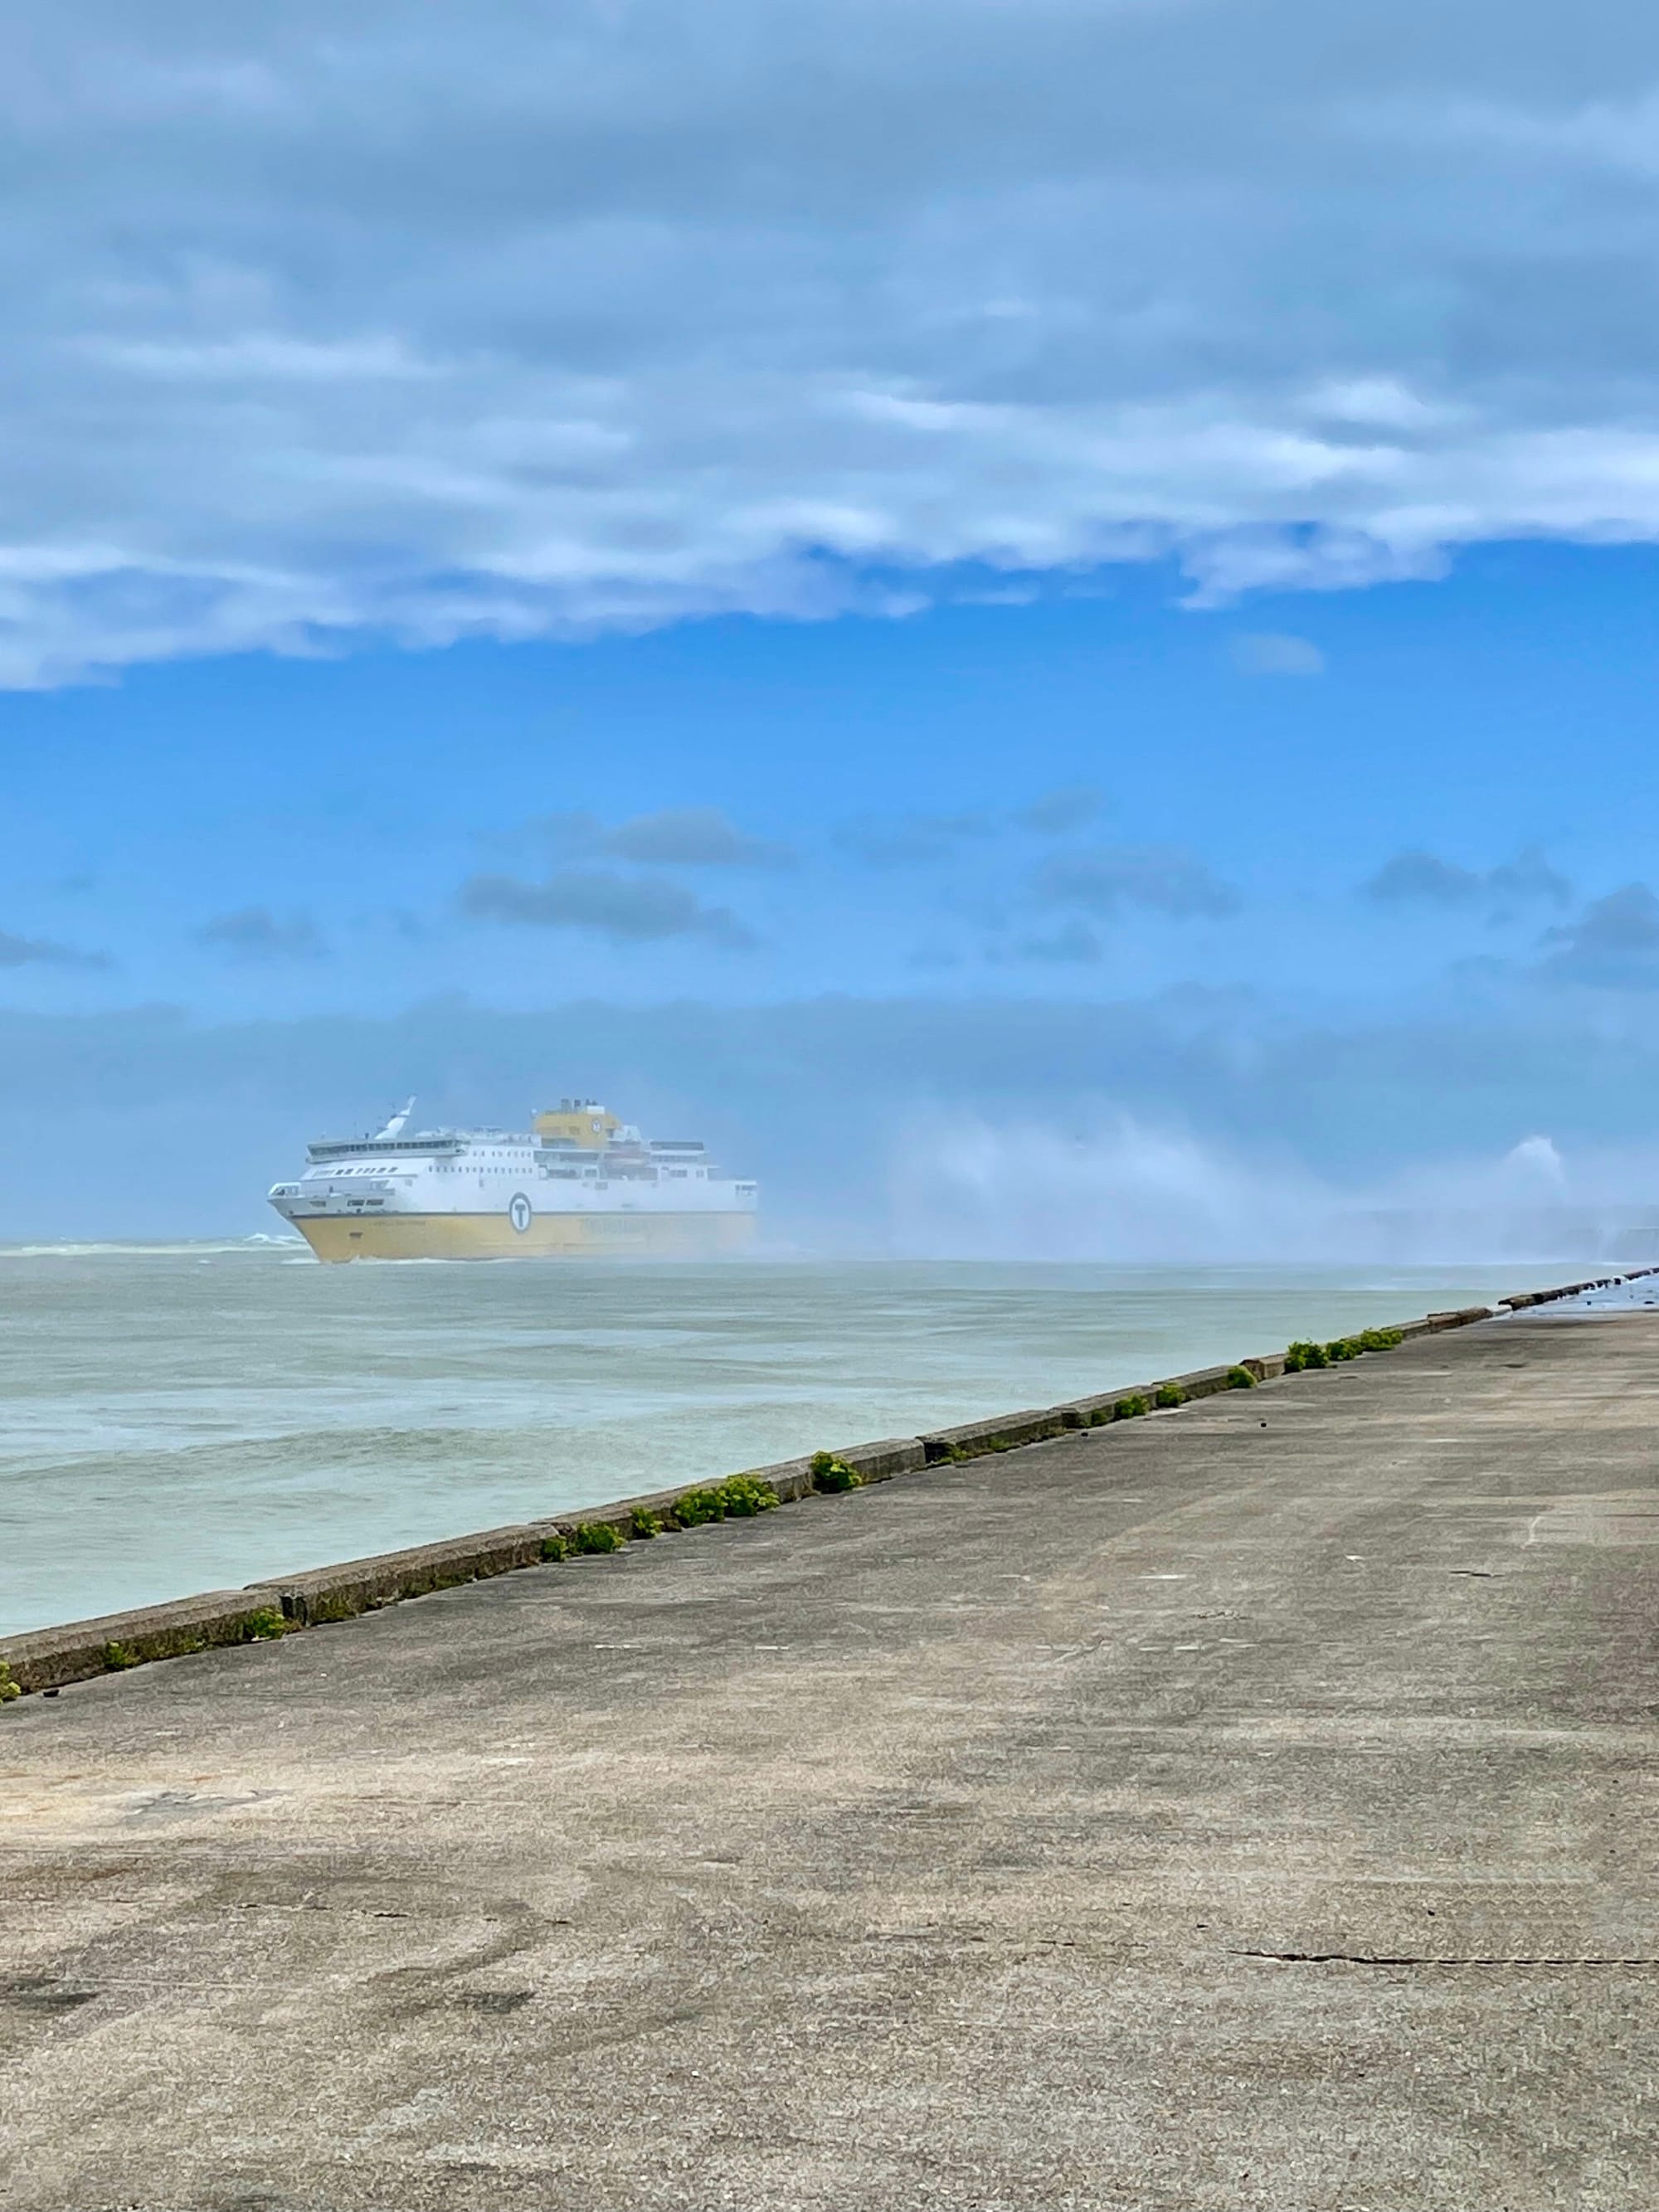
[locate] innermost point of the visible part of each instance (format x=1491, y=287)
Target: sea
x=193, y=1417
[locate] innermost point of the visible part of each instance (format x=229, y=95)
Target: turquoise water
x=184, y=1418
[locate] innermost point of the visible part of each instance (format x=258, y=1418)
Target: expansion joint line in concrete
x=1423, y=1958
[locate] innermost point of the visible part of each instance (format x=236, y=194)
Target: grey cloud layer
x=674, y=836
x=913, y=841
x=1158, y=879
x=1103, y=883
x=254, y=933
x=1424, y=879
x=44, y=952
x=627, y=910
x=920, y=841
x=1074, y=806
x=1613, y=944
x=526, y=320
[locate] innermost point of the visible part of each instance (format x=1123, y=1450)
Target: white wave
x=964, y=1188
x=194, y=1248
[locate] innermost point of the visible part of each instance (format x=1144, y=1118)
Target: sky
x=981, y=601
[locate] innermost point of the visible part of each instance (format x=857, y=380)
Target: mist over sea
x=183, y=1417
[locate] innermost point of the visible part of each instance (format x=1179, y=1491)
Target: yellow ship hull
x=548, y=1236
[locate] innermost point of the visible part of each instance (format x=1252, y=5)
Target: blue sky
x=927, y=534
x=1092, y=791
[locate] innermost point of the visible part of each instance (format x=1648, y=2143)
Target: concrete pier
x=1253, y=1805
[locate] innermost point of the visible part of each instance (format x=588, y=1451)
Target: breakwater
x=43, y=1660
x=214, y=1416
x=1194, y=1809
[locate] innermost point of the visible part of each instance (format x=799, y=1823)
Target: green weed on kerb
x=599, y=1536
x=744, y=1494
x=1240, y=1378
x=831, y=1473
x=8, y=1685
x=1301, y=1354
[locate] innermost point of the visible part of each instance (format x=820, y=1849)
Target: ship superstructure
x=578, y=1183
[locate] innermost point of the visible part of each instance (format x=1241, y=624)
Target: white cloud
x=544, y=319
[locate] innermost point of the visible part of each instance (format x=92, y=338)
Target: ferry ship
x=577, y=1183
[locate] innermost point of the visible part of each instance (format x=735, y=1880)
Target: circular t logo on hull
x=520, y=1212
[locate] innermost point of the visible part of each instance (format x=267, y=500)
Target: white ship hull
x=577, y=1186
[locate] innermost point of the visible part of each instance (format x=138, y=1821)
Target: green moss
x=8, y=1687
x=1240, y=1378
x=698, y=1506
x=646, y=1524
x=831, y=1473
x=746, y=1494
x=1170, y=1393
x=599, y=1536
x=117, y=1655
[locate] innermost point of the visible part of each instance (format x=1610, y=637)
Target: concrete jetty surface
x=1254, y=1805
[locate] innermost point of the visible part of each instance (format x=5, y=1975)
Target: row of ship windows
x=589, y=1175
x=518, y=1154
x=557, y=1175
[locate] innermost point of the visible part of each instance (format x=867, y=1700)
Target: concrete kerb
x=354, y=1586
x=1003, y=1432
x=50, y=1658
x=46, y=1658
x=1199, y=1383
